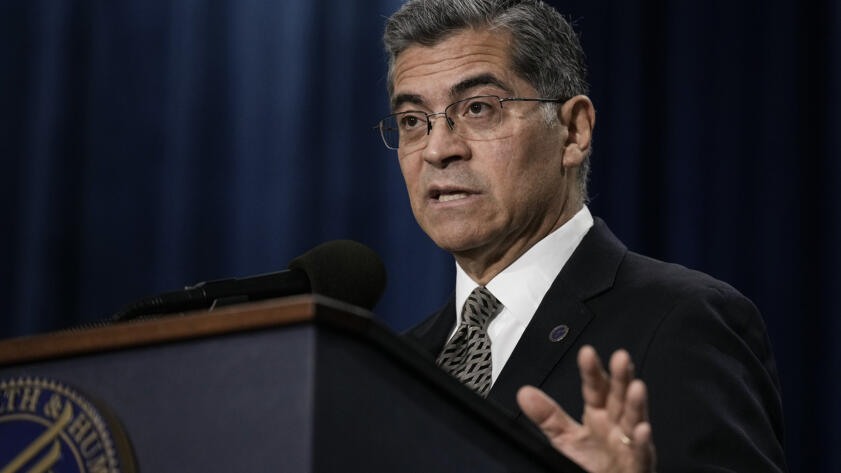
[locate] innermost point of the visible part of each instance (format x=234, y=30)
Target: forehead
x=432, y=70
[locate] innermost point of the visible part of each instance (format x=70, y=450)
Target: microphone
x=340, y=269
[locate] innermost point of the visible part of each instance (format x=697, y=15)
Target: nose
x=443, y=146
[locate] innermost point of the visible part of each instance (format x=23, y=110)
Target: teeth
x=449, y=197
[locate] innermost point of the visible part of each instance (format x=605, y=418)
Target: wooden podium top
x=25, y=355
x=235, y=318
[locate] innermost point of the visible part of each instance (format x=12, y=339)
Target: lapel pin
x=558, y=333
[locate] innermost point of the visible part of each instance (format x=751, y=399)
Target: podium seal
x=46, y=426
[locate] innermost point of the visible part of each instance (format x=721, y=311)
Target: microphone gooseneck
x=340, y=269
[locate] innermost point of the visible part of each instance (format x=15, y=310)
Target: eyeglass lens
x=474, y=118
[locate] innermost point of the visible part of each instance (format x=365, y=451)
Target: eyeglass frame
x=448, y=120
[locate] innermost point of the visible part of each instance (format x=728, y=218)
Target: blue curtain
x=148, y=145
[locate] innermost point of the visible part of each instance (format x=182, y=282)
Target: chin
x=457, y=232
x=453, y=242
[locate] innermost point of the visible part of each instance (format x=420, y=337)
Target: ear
x=578, y=116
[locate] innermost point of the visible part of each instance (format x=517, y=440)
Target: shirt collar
x=521, y=286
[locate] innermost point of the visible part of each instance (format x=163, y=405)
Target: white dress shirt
x=521, y=286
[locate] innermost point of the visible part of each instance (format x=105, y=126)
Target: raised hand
x=614, y=434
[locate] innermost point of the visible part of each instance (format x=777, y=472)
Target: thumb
x=544, y=412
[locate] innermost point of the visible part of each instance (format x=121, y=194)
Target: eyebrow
x=476, y=81
x=455, y=91
x=400, y=99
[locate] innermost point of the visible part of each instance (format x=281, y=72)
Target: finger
x=643, y=447
x=545, y=413
x=621, y=374
x=636, y=406
x=594, y=382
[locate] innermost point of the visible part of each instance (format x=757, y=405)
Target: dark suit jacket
x=700, y=346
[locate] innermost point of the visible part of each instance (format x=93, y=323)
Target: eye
x=477, y=108
x=409, y=122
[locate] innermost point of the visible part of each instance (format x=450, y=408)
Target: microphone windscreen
x=344, y=270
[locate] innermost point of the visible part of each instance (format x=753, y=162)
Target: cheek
x=509, y=167
x=527, y=176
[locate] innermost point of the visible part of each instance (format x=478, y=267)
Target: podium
x=301, y=384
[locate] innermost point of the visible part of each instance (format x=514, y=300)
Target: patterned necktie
x=467, y=355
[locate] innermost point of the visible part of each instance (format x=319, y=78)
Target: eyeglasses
x=474, y=118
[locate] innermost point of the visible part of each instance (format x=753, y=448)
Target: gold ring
x=626, y=440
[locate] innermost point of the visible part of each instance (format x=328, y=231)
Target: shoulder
x=641, y=273
x=674, y=301
x=669, y=316
x=671, y=290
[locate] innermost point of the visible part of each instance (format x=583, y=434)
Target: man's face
x=479, y=199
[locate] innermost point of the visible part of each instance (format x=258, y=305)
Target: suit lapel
x=589, y=272
x=535, y=354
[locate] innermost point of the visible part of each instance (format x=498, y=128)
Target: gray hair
x=545, y=50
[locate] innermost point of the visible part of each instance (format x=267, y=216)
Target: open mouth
x=447, y=196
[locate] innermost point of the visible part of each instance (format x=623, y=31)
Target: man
x=492, y=128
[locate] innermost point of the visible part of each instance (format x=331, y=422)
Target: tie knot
x=479, y=307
